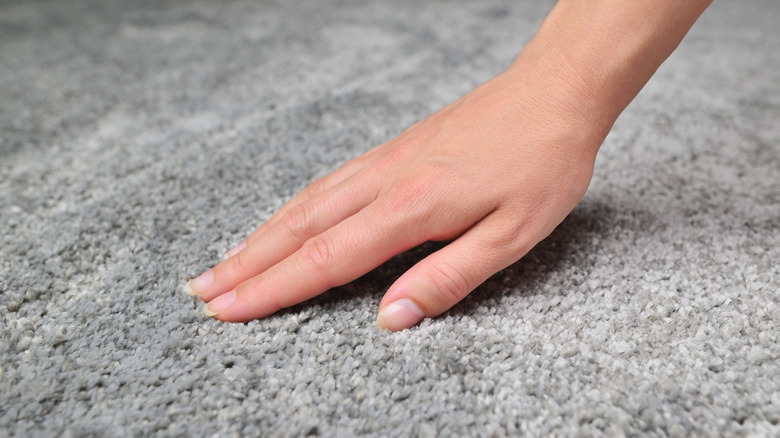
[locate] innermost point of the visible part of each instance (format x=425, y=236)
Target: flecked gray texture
x=140, y=140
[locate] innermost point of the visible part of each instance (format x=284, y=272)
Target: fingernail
x=399, y=315
x=236, y=250
x=200, y=284
x=220, y=303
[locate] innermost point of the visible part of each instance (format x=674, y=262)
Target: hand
x=495, y=172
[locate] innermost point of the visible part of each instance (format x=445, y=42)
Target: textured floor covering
x=140, y=140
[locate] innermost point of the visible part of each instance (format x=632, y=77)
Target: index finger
x=337, y=256
x=320, y=185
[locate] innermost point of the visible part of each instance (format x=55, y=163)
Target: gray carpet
x=140, y=140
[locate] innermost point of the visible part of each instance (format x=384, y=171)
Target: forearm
x=604, y=51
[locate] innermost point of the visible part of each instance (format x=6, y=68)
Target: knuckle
x=316, y=254
x=519, y=233
x=393, y=156
x=297, y=222
x=408, y=195
x=450, y=284
x=238, y=263
x=314, y=189
x=510, y=234
x=353, y=163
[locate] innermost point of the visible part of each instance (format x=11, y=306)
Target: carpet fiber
x=140, y=140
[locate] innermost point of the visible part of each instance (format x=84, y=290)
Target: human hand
x=495, y=172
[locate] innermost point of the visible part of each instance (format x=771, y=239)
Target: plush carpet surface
x=140, y=140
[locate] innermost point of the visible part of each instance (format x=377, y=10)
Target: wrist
x=596, y=56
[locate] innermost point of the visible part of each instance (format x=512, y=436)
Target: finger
x=300, y=223
x=309, y=192
x=445, y=277
x=339, y=255
x=347, y=170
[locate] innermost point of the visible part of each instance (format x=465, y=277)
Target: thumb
x=445, y=277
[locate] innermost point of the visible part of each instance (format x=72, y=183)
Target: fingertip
x=188, y=290
x=219, y=304
x=400, y=315
x=198, y=286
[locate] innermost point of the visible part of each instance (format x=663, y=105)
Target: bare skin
x=494, y=173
